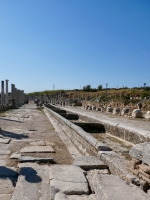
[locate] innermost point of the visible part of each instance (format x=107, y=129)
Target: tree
x=87, y=88
x=100, y=87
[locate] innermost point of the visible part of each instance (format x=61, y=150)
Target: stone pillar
x=12, y=91
x=2, y=93
x=6, y=99
x=15, y=95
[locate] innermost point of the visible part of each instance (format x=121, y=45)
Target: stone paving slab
x=108, y=187
x=4, y=140
x=89, y=162
x=5, y=152
x=33, y=183
x=7, y=185
x=61, y=196
x=33, y=159
x=67, y=179
x=38, y=143
x=5, y=196
x=34, y=149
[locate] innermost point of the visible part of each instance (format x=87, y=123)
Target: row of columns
x=17, y=96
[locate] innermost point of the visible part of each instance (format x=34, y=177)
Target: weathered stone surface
x=91, y=173
x=4, y=140
x=117, y=166
x=109, y=109
x=5, y=152
x=33, y=183
x=124, y=111
x=33, y=149
x=89, y=162
x=7, y=185
x=68, y=180
x=61, y=196
x=137, y=113
x=33, y=159
x=141, y=152
x=2, y=163
x=15, y=155
x=38, y=143
x=26, y=132
x=5, y=196
x=108, y=187
x=8, y=172
x=116, y=111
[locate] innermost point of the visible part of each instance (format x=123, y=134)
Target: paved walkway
x=137, y=123
x=27, y=132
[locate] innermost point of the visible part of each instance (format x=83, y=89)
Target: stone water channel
x=45, y=156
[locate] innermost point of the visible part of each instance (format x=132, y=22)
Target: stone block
x=33, y=159
x=34, y=149
x=108, y=187
x=136, y=113
x=141, y=152
x=89, y=162
x=67, y=179
x=4, y=140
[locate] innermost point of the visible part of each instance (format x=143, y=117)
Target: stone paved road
x=26, y=126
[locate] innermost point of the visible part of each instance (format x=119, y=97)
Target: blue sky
x=72, y=43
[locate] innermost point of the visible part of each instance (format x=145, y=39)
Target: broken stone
x=141, y=152
x=89, y=162
x=136, y=113
x=68, y=180
x=108, y=187
x=34, y=149
x=33, y=159
x=15, y=155
x=4, y=140
x=38, y=143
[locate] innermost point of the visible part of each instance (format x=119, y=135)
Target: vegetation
x=92, y=94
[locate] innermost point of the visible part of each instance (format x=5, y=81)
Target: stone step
x=89, y=162
x=33, y=182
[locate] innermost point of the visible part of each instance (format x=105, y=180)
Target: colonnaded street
x=39, y=161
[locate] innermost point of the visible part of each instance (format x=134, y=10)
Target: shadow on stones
x=11, y=120
x=30, y=175
x=7, y=173
x=13, y=135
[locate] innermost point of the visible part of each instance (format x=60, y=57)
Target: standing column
x=12, y=91
x=6, y=99
x=15, y=95
x=2, y=92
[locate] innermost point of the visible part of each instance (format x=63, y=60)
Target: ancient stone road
x=27, y=134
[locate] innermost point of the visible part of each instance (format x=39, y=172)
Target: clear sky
x=73, y=43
